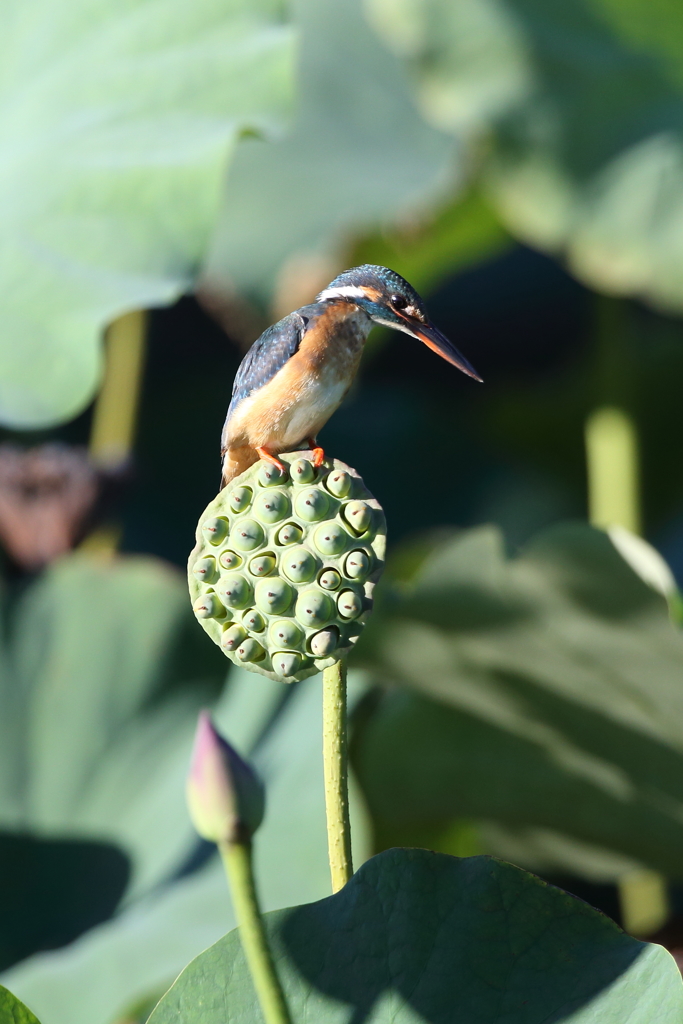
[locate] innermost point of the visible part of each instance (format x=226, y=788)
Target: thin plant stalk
x=336, y=768
x=238, y=866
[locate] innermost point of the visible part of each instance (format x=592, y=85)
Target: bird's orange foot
x=268, y=457
x=318, y=453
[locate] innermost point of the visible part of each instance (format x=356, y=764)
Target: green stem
x=335, y=766
x=237, y=861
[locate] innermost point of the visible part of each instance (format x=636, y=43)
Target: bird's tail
x=236, y=460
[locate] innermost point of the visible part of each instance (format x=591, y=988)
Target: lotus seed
x=235, y=591
x=330, y=538
x=270, y=507
x=338, y=483
x=302, y=472
x=269, y=474
x=357, y=565
x=247, y=535
x=254, y=621
x=349, y=604
x=286, y=663
x=329, y=579
x=233, y=637
x=285, y=633
x=299, y=565
x=215, y=530
x=240, y=499
x=208, y=607
x=261, y=565
x=314, y=608
x=290, y=533
x=204, y=569
x=324, y=642
x=230, y=560
x=250, y=650
x=358, y=515
x=311, y=505
x=273, y=596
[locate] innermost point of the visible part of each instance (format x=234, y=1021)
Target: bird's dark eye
x=398, y=302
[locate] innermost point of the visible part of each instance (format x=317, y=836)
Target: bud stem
x=237, y=861
x=335, y=766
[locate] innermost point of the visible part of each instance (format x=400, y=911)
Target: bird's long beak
x=439, y=343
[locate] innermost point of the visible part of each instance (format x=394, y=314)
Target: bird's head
x=388, y=299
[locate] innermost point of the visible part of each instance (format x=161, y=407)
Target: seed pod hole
x=216, y=530
x=208, y=607
x=233, y=637
x=314, y=608
x=254, y=621
x=338, y=483
x=273, y=596
x=302, y=471
x=230, y=559
x=322, y=644
x=262, y=565
x=270, y=506
x=240, y=499
x=357, y=565
x=311, y=505
x=330, y=538
x=329, y=579
x=250, y=650
x=285, y=633
x=269, y=475
x=286, y=663
x=349, y=604
x=358, y=515
x=247, y=535
x=234, y=591
x=204, y=569
x=290, y=533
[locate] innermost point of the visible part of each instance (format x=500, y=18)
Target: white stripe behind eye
x=350, y=291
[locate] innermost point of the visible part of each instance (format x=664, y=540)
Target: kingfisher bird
x=297, y=373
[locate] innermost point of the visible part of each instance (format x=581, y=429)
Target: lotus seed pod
x=204, y=569
x=330, y=538
x=270, y=506
x=323, y=643
x=298, y=565
x=338, y=483
x=330, y=579
x=290, y=533
x=208, y=607
x=273, y=596
x=357, y=565
x=253, y=621
x=261, y=565
x=314, y=608
x=268, y=474
x=233, y=637
x=234, y=591
x=285, y=633
x=250, y=650
x=358, y=515
x=290, y=584
x=247, y=535
x=349, y=604
x=311, y=505
x=240, y=499
x=286, y=663
x=230, y=559
x=216, y=530
x=302, y=471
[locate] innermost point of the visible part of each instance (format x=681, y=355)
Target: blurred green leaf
x=549, y=697
x=358, y=155
x=117, y=123
x=581, y=107
x=99, y=977
x=12, y=1011
x=421, y=936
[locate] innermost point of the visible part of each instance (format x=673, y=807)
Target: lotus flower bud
x=225, y=797
x=288, y=566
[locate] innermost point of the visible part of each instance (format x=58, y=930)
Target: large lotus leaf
x=140, y=951
x=117, y=122
x=563, y=671
x=583, y=103
x=419, y=936
x=358, y=154
x=12, y=1011
x=103, y=672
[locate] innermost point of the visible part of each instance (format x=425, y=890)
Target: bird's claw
x=268, y=457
